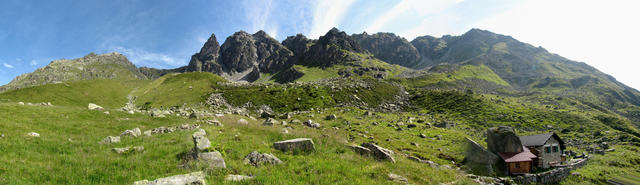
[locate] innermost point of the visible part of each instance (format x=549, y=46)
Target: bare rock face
x=389, y=48
x=295, y=145
x=207, y=59
x=272, y=56
x=238, y=53
x=298, y=44
x=195, y=178
x=503, y=139
x=329, y=50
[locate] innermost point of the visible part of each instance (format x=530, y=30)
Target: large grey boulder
x=195, y=178
x=503, y=139
x=379, y=153
x=295, y=145
x=361, y=150
x=270, y=122
x=212, y=159
x=480, y=158
x=257, y=159
x=243, y=122
x=200, y=141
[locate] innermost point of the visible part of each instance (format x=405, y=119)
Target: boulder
x=295, y=145
x=162, y=130
x=131, y=133
x=243, y=122
x=361, y=150
x=200, y=141
x=311, y=124
x=257, y=159
x=270, y=122
x=195, y=178
x=232, y=177
x=33, y=134
x=480, y=158
x=331, y=117
x=110, y=139
x=503, y=139
x=212, y=159
x=20, y=103
x=379, y=153
x=95, y=107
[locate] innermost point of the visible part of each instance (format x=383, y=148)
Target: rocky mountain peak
x=238, y=53
x=298, y=44
x=340, y=39
x=390, y=48
x=206, y=59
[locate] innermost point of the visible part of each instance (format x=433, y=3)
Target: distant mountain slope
x=92, y=66
x=389, y=47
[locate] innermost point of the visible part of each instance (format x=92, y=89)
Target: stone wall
x=553, y=176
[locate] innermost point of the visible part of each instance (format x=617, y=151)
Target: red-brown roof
x=525, y=155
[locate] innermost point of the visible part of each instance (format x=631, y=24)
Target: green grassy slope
x=178, y=89
x=104, y=92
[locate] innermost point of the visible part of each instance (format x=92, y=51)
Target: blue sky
x=164, y=34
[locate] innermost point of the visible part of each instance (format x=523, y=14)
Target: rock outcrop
x=389, y=48
x=379, y=153
x=207, y=59
x=330, y=50
x=257, y=159
x=478, y=157
x=503, y=139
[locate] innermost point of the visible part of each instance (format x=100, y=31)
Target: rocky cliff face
x=332, y=48
x=92, y=66
x=207, y=58
x=298, y=44
x=272, y=56
x=238, y=53
x=390, y=48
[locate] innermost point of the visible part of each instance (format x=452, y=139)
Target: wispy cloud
x=258, y=13
x=431, y=12
x=33, y=63
x=143, y=57
x=328, y=14
x=7, y=65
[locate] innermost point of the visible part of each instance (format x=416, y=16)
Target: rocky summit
x=475, y=108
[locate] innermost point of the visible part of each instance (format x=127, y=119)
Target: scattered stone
x=368, y=113
x=162, y=130
x=110, y=139
x=106, y=112
x=411, y=126
x=33, y=134
x=188, y=127
x=20, y=103
x=195, y=178
x=379, y=153
x=610, y=150
x=311, y=124
x=284, y=131
x=243, y=122
x=295, y=121
x=94, y=107
x=270, y=122
x=200, y=141
x=231, y=177
x=147, y=133
x=331, y=117
x=397, y=178
x=214, y=122
x=284, y=123
x=212, y=159
x=131, y=133
x=295, y=145
x=257, y=159
x=422, y=136
x=128, y=149
x=131, y=112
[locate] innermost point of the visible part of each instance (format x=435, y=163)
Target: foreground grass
x=67, y=151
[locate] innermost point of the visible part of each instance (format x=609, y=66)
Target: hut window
x=547, y=149
x=517, y=165
x=555, y=148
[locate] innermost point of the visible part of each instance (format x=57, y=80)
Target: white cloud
x=328, y=14
x=603, y=34
x=259, y=13
x=143, y=57
x=422, y=8
x=33, y=63
x=7, y=65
